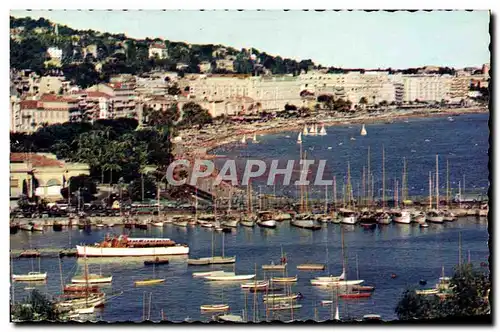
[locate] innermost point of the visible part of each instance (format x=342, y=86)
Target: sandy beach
x=233, y=133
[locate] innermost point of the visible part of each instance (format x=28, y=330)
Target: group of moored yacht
x=369, y=219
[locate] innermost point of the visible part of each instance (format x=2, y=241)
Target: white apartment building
x=426, y=87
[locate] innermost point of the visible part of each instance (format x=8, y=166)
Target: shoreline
x=295, y=124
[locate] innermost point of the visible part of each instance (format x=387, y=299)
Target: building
x=93, y=105
x=225, y=64
x=90, y=50
x=41, y=174
x=123, y=98
x=30, y=115
x=158, y=50
x=55, y=53
x=426, y=87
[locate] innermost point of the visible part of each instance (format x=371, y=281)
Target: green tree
x=35, y=307
x=194, y=115
x=148, y=183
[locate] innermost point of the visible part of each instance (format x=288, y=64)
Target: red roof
x=55, y=98
x=28, y=104
x=158, y=45
x=95, y=94
x=36, y=159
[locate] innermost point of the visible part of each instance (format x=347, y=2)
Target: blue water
x=406, y=250
x=463, y=142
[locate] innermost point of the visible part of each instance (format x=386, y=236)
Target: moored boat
x=206, y=273
x=355, y=295
x=157, y=224
x=93, y=300
x=125, y=246
x=311, y=266
x=431, y=291
x=402, y=217
x=305, y=221
x=229, y=277
x=360, y=288
x=348, y=217
x=281, y=297
x=435, y=216
x=284, y=306
x=317, y=282
x=156, y=261
x=31, y=276
x=80, y=288
x=258, y=284
x=214, y=307
x=92, y=279
x=273, y=266
x=284, y=279
x=26, y=227
x=148, y=282
x=37, y=228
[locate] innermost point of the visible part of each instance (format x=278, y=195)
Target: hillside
x=94, y=55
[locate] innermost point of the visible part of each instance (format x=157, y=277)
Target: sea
x=391, y=258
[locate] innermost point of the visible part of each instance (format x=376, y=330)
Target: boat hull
x=92, y=280
x=122, y=252
x=312, y=267
x=348, y=220
x=29, y=277
x=307, y=224
x=267, y=223
x=216, y=277
x=148, y=282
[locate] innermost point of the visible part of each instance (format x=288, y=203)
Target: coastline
x=296, y=124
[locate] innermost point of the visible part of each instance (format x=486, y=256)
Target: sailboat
x=254, y=139
x=273, y=266
x=356, y=294
x=31, y=276
x=322, y=132
x=363, y=131
x=148, y=282
x=305, y=132
x=214, y=259
x=244, y=139
x=299, y=139
x=91, y=278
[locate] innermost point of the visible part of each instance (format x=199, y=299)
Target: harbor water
x=408, y=251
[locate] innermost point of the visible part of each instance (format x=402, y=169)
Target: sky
x=354, y=39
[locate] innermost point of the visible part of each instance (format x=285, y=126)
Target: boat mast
x=460, y=249
x=437, y=183
x=60, y=274
x=357, y=268
x=368, y=176
x=255, y=296
x=363, y=186
x=348, y=189
x=334, y=191
x=383, y=177
x=326, y=199
x=86, y=272
x=447, y=183
x=403, y=182
x=222, y=244
x=430, y=190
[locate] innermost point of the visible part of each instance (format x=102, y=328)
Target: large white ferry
x=125, y=246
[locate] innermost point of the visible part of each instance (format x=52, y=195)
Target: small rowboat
x=311, y=267
x=214, y=307
x=285, y=306
x=281, y=297
x=204, y=274
x=268, y=289
x=229, y=277
x=274, y=267
x=355, y=295
x=92, y=279
x=363, y=288
x=156, y=261
x=199, y=261
x=284, y=279
x=255, y=285
x=31, y=276
x=148, y=282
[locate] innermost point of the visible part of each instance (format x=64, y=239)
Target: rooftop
x=37, y=160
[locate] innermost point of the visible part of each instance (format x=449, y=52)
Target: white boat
x=280, y=216
x=419, y=217
x=348, y=217
x=449, y=216
x=244, y=139
x=207, y=225
x=266, y=219
x=26, y=227
x=229, y=277
x=82, y=310
x=312, y=131
x=254, y=139
x=230, y=222
x=157, y=223
x=424, y=225
x=92, y=279
x=230, y=318
x=426, y=292
x=299, y=139
x=207, y=273
x=322, y=132
x=363, y=131
x=280, y=297
x=305, y=223
x=338, y=283
x=31, y=276
x=94, y=300
x=434, y=216
x=247, y=222
x=274, y=267
x=214, y=307
x=256, y=284
x=383, y=218
x=402, y=217
x=134, y=247
x=305, y=132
